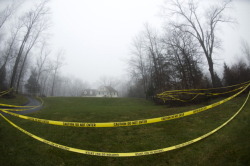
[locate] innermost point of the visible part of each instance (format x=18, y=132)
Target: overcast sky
x=97, y=34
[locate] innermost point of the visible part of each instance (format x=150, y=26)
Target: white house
x=103, y=91
x=89, y=93
x=106, y=91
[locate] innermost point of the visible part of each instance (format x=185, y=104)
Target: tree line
x=27, y=62
x=175, y=57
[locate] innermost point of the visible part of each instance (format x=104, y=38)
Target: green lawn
x=17, y=100
x=229, y=146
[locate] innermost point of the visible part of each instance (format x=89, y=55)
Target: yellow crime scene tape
x=126, y=123
x=5, y=92
x=174, y=94
x=202, y=93
x=129, y=154
x=171, y=97
x=16, y=107
x=185, y=90
x=8, y=90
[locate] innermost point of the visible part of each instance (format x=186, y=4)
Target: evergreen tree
x=2, y=78
x=236, y=74
x=32, y=85
x=227, y=74
x=217, y=80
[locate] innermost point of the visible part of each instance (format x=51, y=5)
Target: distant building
x=89, y=93
x=106, y=91
x=103, y=91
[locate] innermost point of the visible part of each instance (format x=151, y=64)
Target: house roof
x=110, y=89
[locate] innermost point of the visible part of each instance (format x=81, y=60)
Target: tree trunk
x=53, y=84
x=211, y=70
x=13, y=77
x=21, y=72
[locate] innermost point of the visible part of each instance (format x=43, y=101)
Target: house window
x=85, y=92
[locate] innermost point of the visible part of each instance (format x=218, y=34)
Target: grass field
x=17, y=100
x=229, y=146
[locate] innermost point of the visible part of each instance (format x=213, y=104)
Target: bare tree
x=183, y=55
x=58, y=63
x=76, y=87
x=45, y=78
x=30, y=44
x=108, y=81
x=42, y=60
x=31, y=20
x=10, y=45
x=203, y=29
x=139, y=66
x=22, y=76
x=245, y=48
x=154, y=48
x=148, y=65
x=8, y=12
x=7, y=53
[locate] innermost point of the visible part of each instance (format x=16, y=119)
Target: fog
x=97, y=34
x=95, y=37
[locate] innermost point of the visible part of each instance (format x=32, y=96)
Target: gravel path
x=31, y=102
